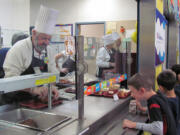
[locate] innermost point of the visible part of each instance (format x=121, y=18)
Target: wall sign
x=61, y=31
x=160, y=38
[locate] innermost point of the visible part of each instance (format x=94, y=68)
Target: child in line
x=161, y=119
x=166, y=81
x=176, y=69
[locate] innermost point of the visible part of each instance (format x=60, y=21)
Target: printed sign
x=160, y=38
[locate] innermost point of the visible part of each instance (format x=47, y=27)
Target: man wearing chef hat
x=33, y=55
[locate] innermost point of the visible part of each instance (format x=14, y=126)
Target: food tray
x=70, y=90
x=38, y=105
x=106, y=94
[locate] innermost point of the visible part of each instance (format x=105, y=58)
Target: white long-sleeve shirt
x=102, y=58
x=155, y=127
x=19, y=58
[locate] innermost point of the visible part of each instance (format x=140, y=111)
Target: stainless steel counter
x=9, y=129
x=95, y=109
x=99, y=111
x=114, y=127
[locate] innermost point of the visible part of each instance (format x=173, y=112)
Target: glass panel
x=98, y=18
x=7, y=35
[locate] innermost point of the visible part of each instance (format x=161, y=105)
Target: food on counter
x=70, y=90
x=87, y=78
x=99, y=93
x=106, y=93
x=105, y=89
x=112, y=92
x=123, y=93
x=114, y=87
x=109, y=93
x=34, y=104
x=63, y=81
x=29, y=122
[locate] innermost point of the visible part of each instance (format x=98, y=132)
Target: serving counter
x=102, y=116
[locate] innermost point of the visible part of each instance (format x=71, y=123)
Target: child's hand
x=140, y=107
x=128, y=124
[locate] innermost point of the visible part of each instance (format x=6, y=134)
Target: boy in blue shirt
x=176, y=69
x=166, y=81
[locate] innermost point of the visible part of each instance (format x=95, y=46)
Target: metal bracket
x=82, y=68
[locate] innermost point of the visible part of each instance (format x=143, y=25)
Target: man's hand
x=64, y=70
x=128, y=124
x=112, y=64
x=55, y=93
x=42, y=93
x=118, y=42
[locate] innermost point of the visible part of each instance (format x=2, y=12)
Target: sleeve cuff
x=139, y=125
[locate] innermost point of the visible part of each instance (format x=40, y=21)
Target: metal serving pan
x=6, y=129
x=37, y=120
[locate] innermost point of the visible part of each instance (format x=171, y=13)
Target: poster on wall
x=179, y=7
x=172, y=2
x=159, y=5
x=179, y=48
x=160, y=40
x=69, y=42
x=61, y=31
x=111, y=27
x=158, y=70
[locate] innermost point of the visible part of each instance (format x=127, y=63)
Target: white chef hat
x=108, y=39
x=46, y=20
x=115, y=36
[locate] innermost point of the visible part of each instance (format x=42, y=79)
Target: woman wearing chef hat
x=33, y=55
x=105, y=55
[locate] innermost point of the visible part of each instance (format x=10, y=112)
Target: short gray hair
x=17, y=37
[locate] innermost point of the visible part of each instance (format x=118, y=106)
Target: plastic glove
x=64, y=70
x=118, y=42
x=42, y=93
x=112, y=64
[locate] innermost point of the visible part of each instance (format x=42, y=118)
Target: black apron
x=19, y=96
x=69, y=64
x=112, y=59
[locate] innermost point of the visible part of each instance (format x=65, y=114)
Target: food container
x=132, y=107
x=41, y=121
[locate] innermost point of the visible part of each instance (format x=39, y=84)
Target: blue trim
x=138, y=37
x=104, y=28
x=76, y=29
x=179, y=43
x=58, y=25
x=167, y=54
x=56, y=42
x=85, y=23
x=161, y=17
x=67, y=25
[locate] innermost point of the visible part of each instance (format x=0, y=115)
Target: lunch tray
x=38, y=105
